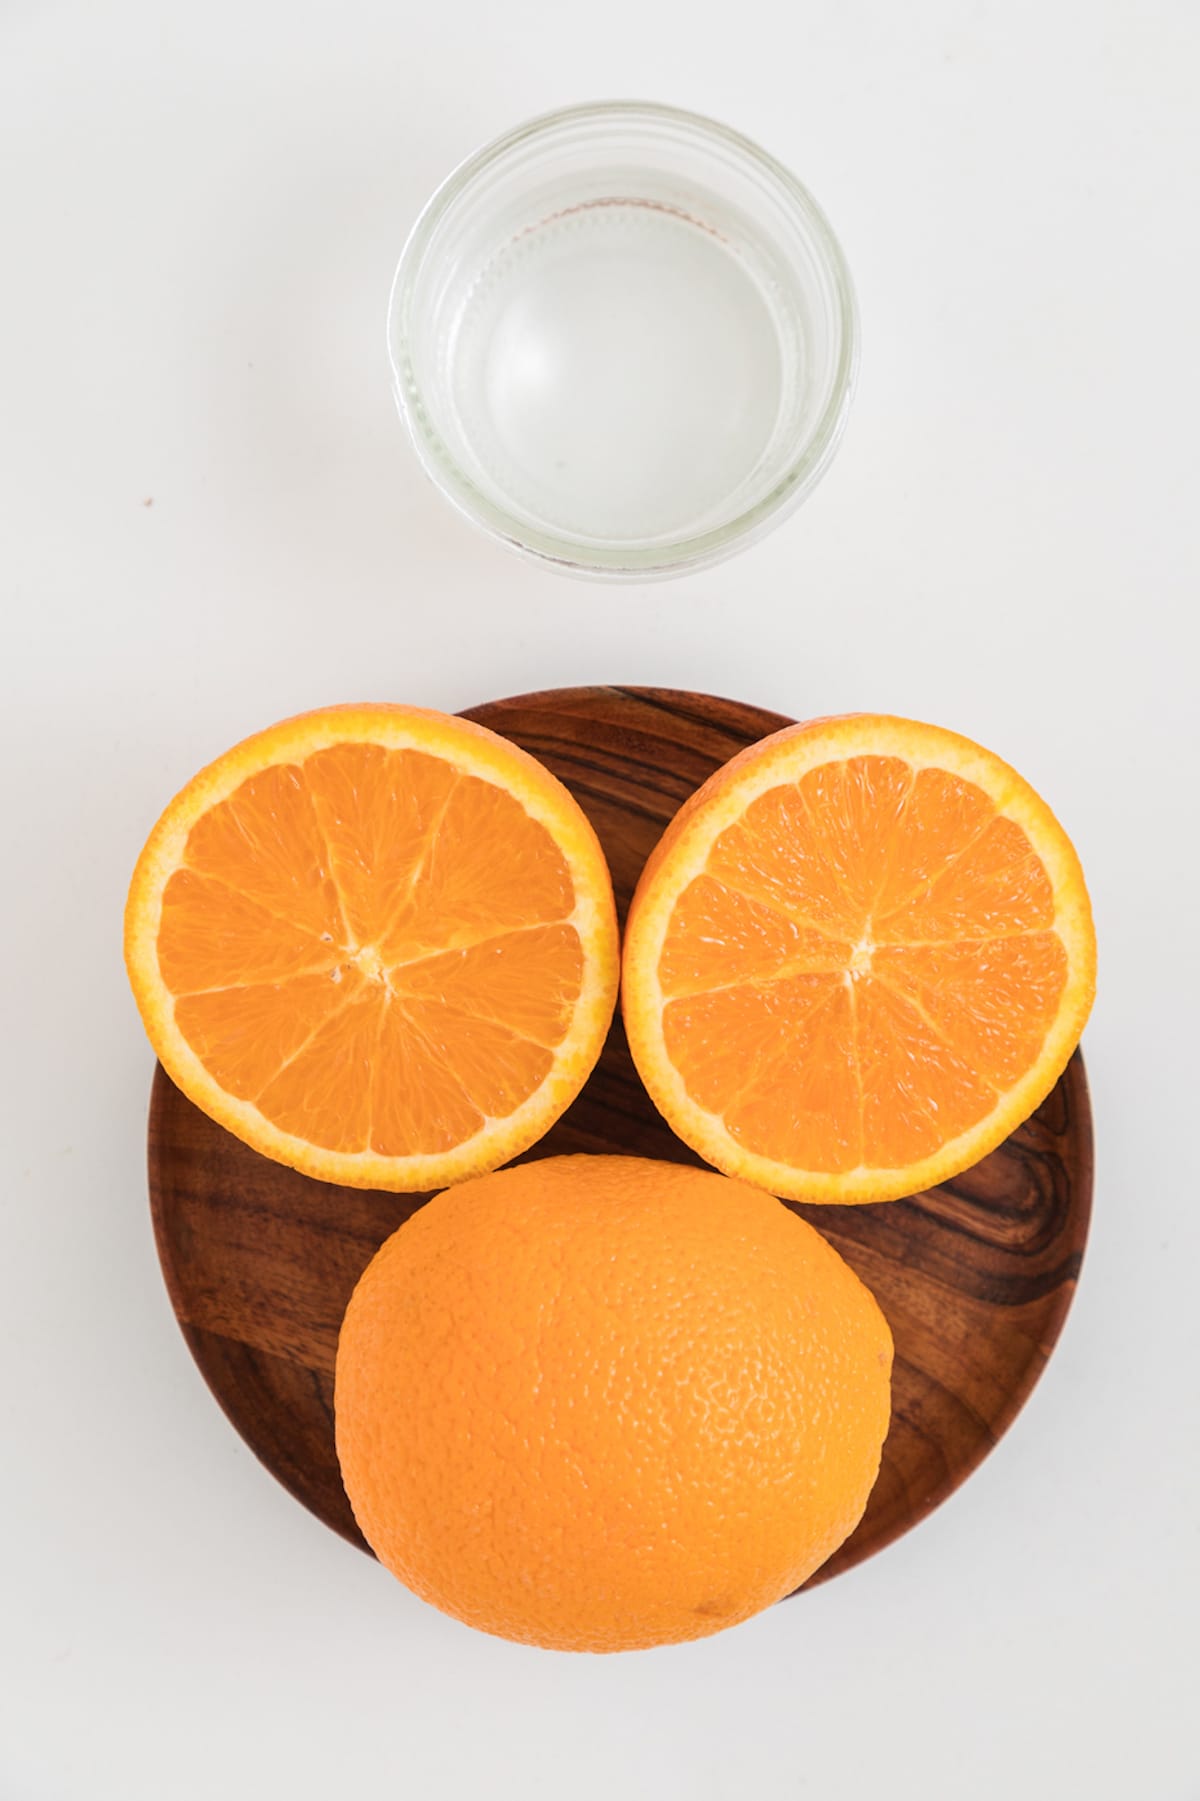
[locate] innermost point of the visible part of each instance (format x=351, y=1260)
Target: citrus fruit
x=859, y=956
x=377, y=943
x=601, y=1403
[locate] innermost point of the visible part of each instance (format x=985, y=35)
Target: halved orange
x=859, y=956
x=376, y=943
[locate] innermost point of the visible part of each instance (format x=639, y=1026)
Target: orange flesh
x=373, y=948
x=861, y=941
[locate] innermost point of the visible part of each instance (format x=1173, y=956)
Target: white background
x=201, y=207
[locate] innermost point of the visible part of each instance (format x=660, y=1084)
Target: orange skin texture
x=605, y=1403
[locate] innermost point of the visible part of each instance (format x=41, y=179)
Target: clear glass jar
x=623, y=340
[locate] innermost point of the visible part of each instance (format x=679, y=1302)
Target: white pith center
x=860, y=958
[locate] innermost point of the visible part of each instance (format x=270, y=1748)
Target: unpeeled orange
x=376, y=943
x=602, y=1403
x=860, y=956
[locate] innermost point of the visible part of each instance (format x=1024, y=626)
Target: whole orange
x=601, y=1403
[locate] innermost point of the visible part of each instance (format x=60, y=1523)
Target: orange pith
x=600, y=1403
x=857, y=960
x=376, y=943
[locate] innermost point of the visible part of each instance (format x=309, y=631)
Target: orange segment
x=376, y=943
x=942, y=817
x=323, y=1093
x=418, y=1106
x=997, y=884
x=722, y=936
x=917, y=1093
x=245, y=1035
x=853, y=810
x=526, y=979
x=210, y=932
x=993, y=1001
x=814, y=1071
x=523, y=879
x=377, y=812
x=733, y=1039
x=495, y=1068
x=857, y=959
x=774, y=855
x=265, y=842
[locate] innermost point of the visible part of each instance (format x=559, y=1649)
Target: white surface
x=202, y=207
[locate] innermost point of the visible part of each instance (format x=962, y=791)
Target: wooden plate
x=975, y=1277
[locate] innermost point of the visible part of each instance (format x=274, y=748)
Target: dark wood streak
x=975, y=1277
x=647, y=777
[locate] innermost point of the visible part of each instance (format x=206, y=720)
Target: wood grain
x=975, y=1277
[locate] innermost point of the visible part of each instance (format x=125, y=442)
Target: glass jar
x=623, y=340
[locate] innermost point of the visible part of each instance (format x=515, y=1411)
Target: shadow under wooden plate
x=975, y=1277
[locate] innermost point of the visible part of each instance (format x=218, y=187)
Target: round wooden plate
x=975, y=1277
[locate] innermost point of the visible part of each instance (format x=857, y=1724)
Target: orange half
x=376, y=943
x=857, y=959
